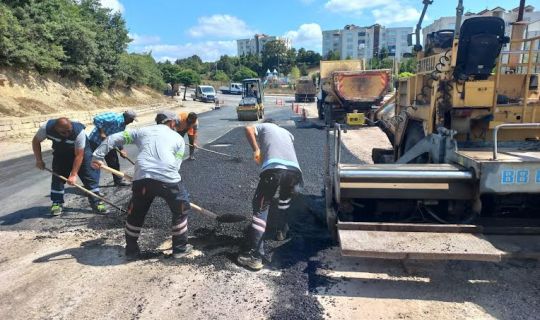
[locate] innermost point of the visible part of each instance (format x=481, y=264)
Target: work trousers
x=191, y=139
x=111, y=159
x=62, y=164
x=270, y=180
x=177, y=198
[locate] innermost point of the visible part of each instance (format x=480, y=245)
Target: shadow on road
x=92, y=253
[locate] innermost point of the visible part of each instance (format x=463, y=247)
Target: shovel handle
x=208, y=150
x=126, y=157
x=86, y=191
x=203, y=211
x=116, y=172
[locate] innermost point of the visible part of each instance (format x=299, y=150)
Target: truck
x=345, y=87
x=305, y=90
x=232, y=88
x=462, y=179
x=204, y=93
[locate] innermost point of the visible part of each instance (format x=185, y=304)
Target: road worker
x=71, y=157
x=273, y=150
x=157, y=167
x=188, y=123
x=106, y=124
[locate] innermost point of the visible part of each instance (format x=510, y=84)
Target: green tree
x=187, y=78
x=244, y=73
x=333, y=55
x=294, y=74
x=220, y=76
x=408, y=65
x=274, y=55
x=141, y=69
x=251, y=61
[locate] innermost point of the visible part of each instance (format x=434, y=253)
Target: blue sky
x=176, y=29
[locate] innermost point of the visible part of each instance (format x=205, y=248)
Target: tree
x=295, y=74
x=274, y=55
x=308, y=57
x=244, y=73
x=227, y=64
x=140, y=69
x=194, y=63
x=220, y=76
x=333, y=55
x=188, y=78
x=408, y=65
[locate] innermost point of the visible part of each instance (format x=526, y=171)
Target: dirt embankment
x=28, y=93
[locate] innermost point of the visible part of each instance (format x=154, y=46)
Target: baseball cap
x=166, y=115
x=130, y=114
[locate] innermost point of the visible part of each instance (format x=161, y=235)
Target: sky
x=178, y=29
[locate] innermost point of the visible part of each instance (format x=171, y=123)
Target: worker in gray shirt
x=273, y=149
x=71, y=157
x=161, y=151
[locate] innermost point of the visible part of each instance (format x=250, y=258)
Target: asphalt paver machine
x=465, y=162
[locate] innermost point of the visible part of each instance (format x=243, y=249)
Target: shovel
x=87, y=191
x=224, y=218
x=237, y=159
x=126, y=157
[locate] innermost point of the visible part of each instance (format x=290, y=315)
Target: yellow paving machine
x=462, y=180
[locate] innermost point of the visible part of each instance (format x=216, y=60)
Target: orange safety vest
x=182, y=116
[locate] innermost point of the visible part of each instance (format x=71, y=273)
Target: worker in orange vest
x=189, y=124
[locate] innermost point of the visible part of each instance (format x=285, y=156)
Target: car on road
x=204, y=93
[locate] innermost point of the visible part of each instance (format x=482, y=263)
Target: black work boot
x=133, y=252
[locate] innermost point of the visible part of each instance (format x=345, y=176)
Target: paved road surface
x=25, y=190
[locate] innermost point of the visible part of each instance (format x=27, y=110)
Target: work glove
x=257, y=156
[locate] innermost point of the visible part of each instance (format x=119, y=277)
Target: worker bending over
x=189, y=124
x=106, y=124
x=275, y=152
x=157, y=167
x=72, y=156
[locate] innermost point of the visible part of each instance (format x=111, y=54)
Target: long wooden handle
x=203, y=211
x=200, y=210
x=208, y=150
x=116, y=172
x=126, y=157
x=86, y=190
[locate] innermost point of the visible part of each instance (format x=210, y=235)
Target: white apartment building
x=356, y=42
x=509, y=16
x=256, y=44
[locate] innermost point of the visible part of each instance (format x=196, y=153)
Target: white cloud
x=143, y=40
x=386, y=12
x=354, y=6
x=221, y=26
x=208, y=50
x=308, y=36
x=395, y=14
x=115, y=5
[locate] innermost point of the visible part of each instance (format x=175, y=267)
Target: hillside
x=25, y=93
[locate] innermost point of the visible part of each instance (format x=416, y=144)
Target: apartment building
x=356, y=42
x=256, y=44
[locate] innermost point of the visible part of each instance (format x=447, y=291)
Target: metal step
x=433, y=242
x=403, y=173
